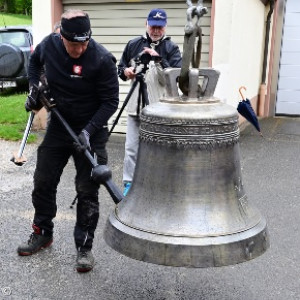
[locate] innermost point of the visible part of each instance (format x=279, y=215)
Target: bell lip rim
x=140, y=247
x=260, y=220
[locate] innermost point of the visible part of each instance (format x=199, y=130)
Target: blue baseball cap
x=157, y=17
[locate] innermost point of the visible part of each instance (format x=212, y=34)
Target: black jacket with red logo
x=86, y=89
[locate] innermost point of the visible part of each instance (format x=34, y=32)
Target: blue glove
x=84, y=138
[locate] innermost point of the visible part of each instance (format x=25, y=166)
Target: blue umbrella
x=246, y=110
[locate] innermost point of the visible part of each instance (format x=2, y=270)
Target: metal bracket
x=192, y=31
x=211, y=77
x=171, y=75
x=195, y=91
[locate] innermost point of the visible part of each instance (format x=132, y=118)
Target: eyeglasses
x=156, y=27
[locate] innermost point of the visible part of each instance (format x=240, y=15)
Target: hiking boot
x=127, y=186
x=36, y=242
x=84, y=261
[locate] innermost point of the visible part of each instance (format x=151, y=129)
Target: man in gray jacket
x=155, y=43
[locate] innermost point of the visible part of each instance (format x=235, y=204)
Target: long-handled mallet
x=18, y=158
x=100, y=173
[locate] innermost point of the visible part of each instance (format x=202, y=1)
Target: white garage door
x=115, y=23
x=288, y=93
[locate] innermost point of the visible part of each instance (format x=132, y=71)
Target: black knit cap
x=76, y=29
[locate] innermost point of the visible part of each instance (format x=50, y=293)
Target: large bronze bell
x=187, y=205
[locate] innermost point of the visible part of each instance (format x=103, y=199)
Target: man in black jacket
x=155, y=43
x=83, y=81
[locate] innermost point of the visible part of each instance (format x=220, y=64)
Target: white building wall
x=238, y=47
x=41, y=19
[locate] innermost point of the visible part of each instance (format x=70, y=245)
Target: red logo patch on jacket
x=77, y=69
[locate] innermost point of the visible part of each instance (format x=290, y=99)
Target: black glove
x=33, y=100
x=84, y=138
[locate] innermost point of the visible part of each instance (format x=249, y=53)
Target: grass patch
x=13, y=118
x=14, y=19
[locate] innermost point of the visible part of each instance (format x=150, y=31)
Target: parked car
x=16, y=46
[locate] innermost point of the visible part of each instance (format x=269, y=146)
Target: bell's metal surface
x=187, y=205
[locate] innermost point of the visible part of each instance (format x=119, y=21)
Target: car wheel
x=11, y=60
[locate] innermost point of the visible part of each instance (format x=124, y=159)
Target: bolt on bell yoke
x=187, y=205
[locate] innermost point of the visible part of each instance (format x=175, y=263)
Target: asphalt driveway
x=270, y=168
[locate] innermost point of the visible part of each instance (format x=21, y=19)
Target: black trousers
x=52, y=156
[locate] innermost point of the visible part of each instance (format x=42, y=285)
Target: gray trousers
x=131, y=147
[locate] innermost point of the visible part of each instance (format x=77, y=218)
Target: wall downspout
x=56, y=11
x=212, y=30
x=263, y=87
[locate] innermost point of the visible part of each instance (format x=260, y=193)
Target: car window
x=19, y=39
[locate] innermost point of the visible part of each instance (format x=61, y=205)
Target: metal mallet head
x=18, y=160
x=101, y=174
